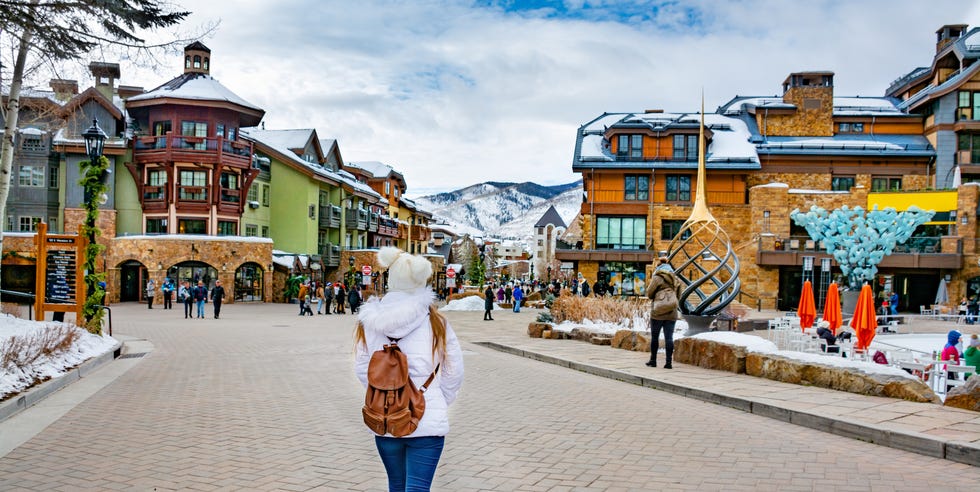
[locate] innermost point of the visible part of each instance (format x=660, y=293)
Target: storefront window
x=624, y=279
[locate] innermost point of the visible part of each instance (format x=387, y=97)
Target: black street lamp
x=350, y=271
x=94, y=178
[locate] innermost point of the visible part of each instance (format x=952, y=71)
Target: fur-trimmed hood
x=397, y=313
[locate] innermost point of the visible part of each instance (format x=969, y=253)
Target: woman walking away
x=488, y=303
x=664, y=290
x=405, y=314
x=341, y=296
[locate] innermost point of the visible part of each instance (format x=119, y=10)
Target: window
x=193, y=185
x=670, y=228
x=387, y=187
x=227, y=228
x=156, y=226
x=195, y=129
x=31, y=176
x=265, y=231
x=968, y=144
x=621, y=232
x=52, y=177
x=839, y=183
x=231, y=134
x=229, y=187
x=219, y=130
x=10, y=223
x=32, y=143
x=630, y=146
x=637, y=187
x=251, y=230
x=187, y=61
x=29, y=224
x=197, y=61
x=685, y=147
x=207, y=63
x=678, y=188
x=52, y=224
x=253, y=193
x=851, y=128
x=265, y=195
x=886, y=184
x=156, y=182
x=192, y=226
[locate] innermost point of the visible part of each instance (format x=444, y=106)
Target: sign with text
x=60, y=280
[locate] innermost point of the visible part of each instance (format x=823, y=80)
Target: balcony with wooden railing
x=357, y=219
x=183, y=148
x=373, y=220
x=156, y=198
x=330, y=253
x=387, y=227
x=918, y=252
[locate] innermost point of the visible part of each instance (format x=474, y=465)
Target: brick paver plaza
x=263, y=399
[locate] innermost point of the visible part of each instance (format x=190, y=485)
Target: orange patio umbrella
x=831, y=308
x=807, y=310
x=865, y=321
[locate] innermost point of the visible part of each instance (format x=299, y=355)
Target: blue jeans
x=517, y=305
x=410, y=461
x=200, y=308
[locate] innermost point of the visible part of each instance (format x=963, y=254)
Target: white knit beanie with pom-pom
x=405, y=272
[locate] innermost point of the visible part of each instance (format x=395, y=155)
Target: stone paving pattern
x=263, y=399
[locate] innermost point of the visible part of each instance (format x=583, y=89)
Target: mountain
x=504, y=210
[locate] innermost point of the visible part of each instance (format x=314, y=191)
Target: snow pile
x=471, y=303
x=14, y=332
x=760, y=345
x=638, y=324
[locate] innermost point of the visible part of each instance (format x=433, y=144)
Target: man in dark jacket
x=488, y=303
x=217, y=295
x=328, y=297
x=354, y=298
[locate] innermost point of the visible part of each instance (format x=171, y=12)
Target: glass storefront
x=248, y=283
x=624, y=279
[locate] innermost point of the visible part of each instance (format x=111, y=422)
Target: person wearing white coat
x=403, y=314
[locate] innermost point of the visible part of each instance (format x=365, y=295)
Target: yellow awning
x=937, y=201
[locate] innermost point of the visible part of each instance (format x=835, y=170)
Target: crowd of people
x=328, y=298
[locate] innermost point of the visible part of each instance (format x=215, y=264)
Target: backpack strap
x=429, y=381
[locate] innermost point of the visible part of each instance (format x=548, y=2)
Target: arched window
x=187, y=61
x=207, y=62
x=197, y=61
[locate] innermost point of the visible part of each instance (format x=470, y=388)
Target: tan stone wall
x=158, y=254
x=805, y=121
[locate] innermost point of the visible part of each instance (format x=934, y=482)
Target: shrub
x=627, y=311
x=545, y=318
x=18, y=352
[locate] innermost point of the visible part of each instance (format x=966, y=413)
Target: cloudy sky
x=454, y=93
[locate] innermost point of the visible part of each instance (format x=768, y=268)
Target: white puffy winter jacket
x=405, y=315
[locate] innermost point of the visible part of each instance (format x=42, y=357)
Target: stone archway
x=249, y=283
x=132, y=279
x=196, y=271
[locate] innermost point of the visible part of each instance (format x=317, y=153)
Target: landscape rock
x=710, y=354
x=966, y=396
x=601, y=340
x=534, y=329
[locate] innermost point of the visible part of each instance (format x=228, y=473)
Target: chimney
x=64, y=89
x=653, y=111
x=105, y=75
x=948, y=34
x=197, y=58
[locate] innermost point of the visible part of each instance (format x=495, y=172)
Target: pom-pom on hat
x=405, y=272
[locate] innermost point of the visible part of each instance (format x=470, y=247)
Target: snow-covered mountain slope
x=504, y=210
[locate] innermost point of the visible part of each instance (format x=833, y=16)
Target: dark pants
x=168, y=302
x=668, y=328
x=486, y=315
x=188, y=308
x=149, y=302
x=217, y=308
x=410, y=461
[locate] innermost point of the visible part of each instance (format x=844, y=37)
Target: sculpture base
x=697, y=324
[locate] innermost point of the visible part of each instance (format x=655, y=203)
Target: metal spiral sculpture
x=701, y=254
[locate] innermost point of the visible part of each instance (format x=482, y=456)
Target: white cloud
x=452, y=94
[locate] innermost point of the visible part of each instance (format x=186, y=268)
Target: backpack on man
x=392, y=403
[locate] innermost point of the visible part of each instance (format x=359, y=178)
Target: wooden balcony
x=331, y=254
x=202, y=150
x=357, y=219
x=621, y=255
x=916, y=253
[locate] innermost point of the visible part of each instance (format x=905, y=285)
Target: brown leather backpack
x=392, y=403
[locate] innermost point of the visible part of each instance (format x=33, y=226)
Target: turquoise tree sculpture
x=858, y=241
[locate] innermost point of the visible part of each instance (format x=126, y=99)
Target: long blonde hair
x=438, y=323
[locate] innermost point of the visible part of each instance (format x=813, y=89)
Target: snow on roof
x=196, y=86
x=851, y=143
x=377, y=169
x=32, y=131
x=286, y=261
x=60, y=138
x=972, y=41
x=351, y=180
x=843, y=106
x=286, y=139
x=198, y=237
x=595, y=148
x=601, y=123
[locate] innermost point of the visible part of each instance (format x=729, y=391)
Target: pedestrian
x=304, y=293
x=431, y=347
x=500, y=294
x=168, y=293
x=488, y=303
x=585, y=288
x=951, y=352
x=185, y=297
x=341, y=298
x=319, y=299
x=508, y=292
x=663, y=280
x=328, y=297
x=307, y=306
x=217, y=296
x=200, y=294
x=354, y=298
x=893, y=303
x=971, y=356
x=151, y=288
x=518, y=297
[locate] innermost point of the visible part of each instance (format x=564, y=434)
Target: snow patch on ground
x=471, y=303
x=15, y=379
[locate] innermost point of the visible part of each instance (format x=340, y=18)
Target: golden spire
x=700, y=212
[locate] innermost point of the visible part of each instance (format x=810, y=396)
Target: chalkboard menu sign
x=60, y=276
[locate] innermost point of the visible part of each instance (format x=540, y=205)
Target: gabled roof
x=91, y=94
x=932, y=91
x=551, y=217
x=288, y=156
x=379, y=170
x=295, y=140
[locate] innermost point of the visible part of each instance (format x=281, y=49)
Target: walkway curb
x=35, y=394
x=924, y=444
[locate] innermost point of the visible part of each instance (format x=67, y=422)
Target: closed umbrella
x=831, y=308
x=942, y=294
x=807, y=310
x=865, y=321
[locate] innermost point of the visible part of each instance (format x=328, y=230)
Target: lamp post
x=350, y=271
x=94, y=177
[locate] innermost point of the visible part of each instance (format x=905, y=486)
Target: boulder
x=580, y=334
x=534, y=329
x=710, y=354
x=966, y=396
x=546, y=333
x=631, y=340
x=601, y=340
x=778, y=368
